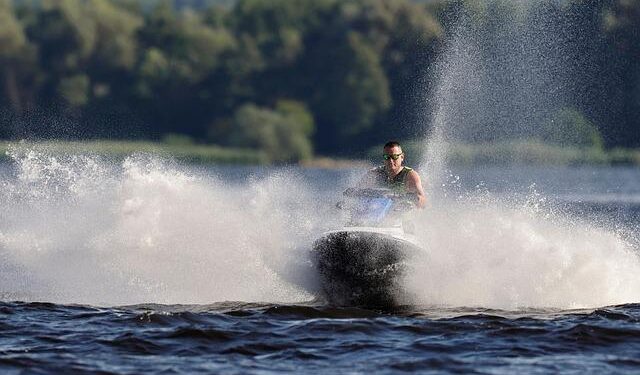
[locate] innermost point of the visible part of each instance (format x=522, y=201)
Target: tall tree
x=347, y=90
x=621, y=21
x=181, y=51
x=14, y=51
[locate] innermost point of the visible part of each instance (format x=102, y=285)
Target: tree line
x=289, y=78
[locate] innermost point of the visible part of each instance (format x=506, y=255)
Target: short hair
x=392, y=144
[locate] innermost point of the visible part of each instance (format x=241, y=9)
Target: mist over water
x=502, y=75
x=506, y=69
x=85, y=230
x=499, y=253
x=82, y=229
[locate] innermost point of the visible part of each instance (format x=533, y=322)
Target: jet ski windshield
x=375, y=206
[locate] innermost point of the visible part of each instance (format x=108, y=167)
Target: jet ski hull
x=362, y=267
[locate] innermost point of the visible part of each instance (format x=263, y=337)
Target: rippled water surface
x=130, y=268
x=241, y=338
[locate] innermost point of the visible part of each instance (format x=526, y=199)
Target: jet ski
x=362, y=264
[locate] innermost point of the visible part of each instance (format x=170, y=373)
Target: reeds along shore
x=496, y=153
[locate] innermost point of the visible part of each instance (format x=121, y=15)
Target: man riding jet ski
x=361, y=264
x=394, y=175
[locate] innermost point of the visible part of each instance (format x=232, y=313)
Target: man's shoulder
x=411, y=172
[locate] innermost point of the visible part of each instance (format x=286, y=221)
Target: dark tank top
x=396, y=182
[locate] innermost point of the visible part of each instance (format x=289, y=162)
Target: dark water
x=253, y=338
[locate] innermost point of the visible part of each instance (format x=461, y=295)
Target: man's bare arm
x=414, y=185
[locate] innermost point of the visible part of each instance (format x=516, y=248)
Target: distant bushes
x=568, y=127
x=282, y=134
x=192, y=153
x=532, y=152
x=525, y=152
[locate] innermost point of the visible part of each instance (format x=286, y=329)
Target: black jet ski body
x=362, y=263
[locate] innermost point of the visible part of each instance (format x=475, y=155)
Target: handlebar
x=401, y=201
x=379, y=193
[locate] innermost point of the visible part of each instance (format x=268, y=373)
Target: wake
x=83, y=229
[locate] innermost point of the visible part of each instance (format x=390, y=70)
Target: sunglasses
x=391, y=156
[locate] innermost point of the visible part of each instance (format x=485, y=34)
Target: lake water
x=150, y=266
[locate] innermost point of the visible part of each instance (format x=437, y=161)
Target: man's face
x=394, y=151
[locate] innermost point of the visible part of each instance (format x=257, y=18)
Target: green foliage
x=299, y=114
x=122, y=149
x=278, y=26
x=192, y=48
x=173, y=139
x=569, y=127
x=74, y=89
x=283, y=134
x=17, y=56
x=353, y=90
x=116, y=28
x=325, y=75
x=531, y=152
x=525, y=152
x=154, y=65
x=198, y=67
x=66, y=34
x=365, y=88
x=12, y=37
x=621, y=23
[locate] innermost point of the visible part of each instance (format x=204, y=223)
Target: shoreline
x=526, y=153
